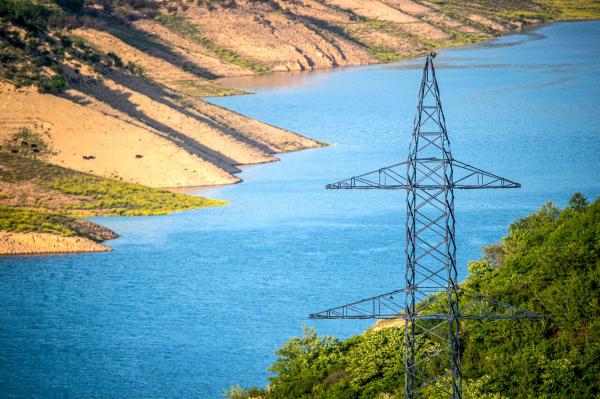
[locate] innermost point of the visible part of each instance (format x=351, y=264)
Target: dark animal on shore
x=88, y=157
x=139, y=156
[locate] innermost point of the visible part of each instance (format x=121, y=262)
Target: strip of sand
x=46, y=243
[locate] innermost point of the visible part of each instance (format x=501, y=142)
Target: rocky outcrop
x=91, y=230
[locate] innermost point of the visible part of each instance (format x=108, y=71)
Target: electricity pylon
x=434, y=304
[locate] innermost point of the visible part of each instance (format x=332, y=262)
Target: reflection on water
x=280, y=80
x=193, y=302
x=525, y=36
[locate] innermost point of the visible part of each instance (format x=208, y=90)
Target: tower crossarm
x=385, y=306
x=390, y=178
x=481, y=307
x=389, y=306
x=468, y=177
x=465, y=177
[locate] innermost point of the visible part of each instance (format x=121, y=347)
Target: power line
x=434, y=303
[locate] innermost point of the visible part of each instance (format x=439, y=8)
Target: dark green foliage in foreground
x=548, y=263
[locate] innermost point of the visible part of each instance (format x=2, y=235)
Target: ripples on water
x=190, y=303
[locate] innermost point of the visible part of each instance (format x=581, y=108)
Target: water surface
x=194, y=302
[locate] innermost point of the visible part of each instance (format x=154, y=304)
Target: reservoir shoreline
x=28, y=243
x=194, y=302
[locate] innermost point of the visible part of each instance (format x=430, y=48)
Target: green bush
x=53, y=84
x=75, y=6
x=25, y=13
x=26, y=143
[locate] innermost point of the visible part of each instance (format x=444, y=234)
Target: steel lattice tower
x=434, y=304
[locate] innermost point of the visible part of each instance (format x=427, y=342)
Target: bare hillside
x=113, y=87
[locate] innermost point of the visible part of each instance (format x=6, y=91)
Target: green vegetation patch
x=385, y=54
x=30, y=220
x=198, y=88
x=182, y=27
x=27, y=220
x=574, y=9
x=101, y=196
x=549, y=263
x=115, y=197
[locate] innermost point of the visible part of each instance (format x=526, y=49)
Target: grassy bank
x=41, y=197
x=29, y=220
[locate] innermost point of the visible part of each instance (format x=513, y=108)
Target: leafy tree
x=53, y=84
x=578, y=202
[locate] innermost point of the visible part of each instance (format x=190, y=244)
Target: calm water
x=194, y=302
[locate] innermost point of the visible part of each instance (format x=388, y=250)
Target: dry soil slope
x=142, y=127
x=148, y=126
x=311, y=34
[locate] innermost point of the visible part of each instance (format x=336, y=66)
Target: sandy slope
x=45, y=243
x=291, y=41
x=190, y=50
x=176, y=67
x=74, y=131
x=150, y=127
x=387, y=323
x=143, y=129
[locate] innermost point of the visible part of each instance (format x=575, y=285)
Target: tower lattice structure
x=433, y=303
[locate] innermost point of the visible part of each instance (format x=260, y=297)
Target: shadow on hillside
x=149, y=44
x=120, y=101
x=169, y=98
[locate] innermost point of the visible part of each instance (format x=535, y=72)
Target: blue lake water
x=194, y=302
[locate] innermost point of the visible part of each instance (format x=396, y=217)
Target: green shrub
x=53, y=84
x=24, y=13
x=26, y=143
x=75, y=6
x=134, y=68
